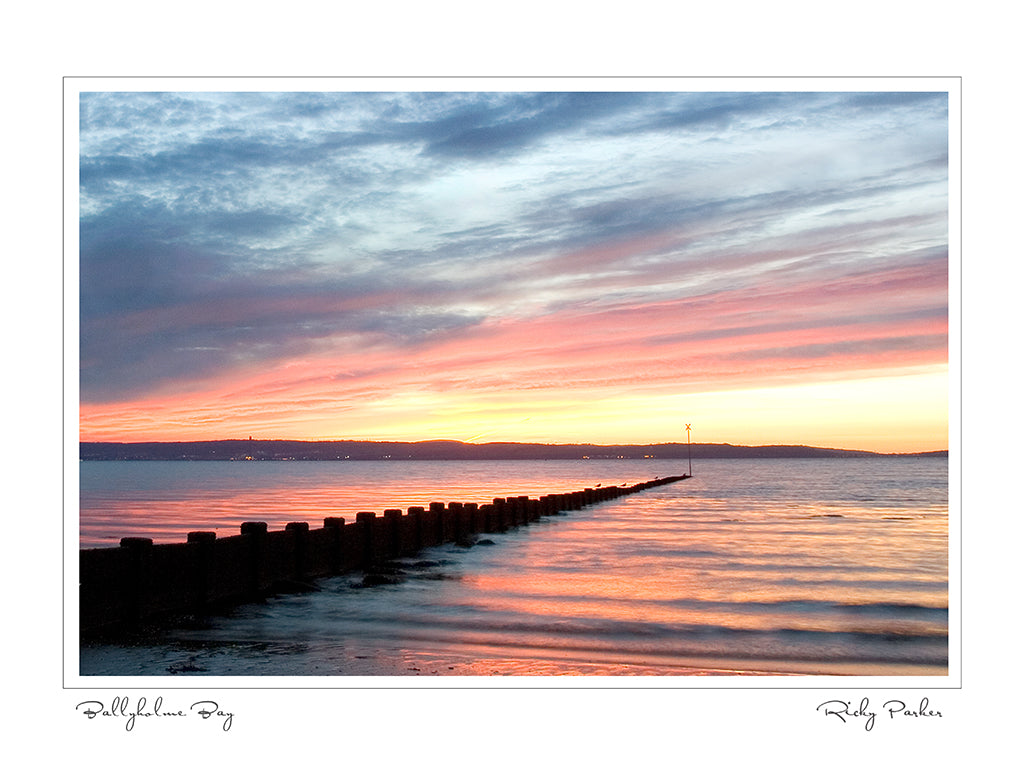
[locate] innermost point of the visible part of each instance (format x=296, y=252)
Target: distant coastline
x=435, y=450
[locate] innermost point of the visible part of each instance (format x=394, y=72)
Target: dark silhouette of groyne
x=138, y=582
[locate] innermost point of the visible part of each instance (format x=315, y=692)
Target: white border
x=74, y=86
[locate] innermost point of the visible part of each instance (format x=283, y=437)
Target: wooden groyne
x=139, y=581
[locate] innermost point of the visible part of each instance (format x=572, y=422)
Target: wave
x=583, y=639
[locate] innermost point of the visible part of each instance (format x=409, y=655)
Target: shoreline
x=100, y=659
x=453, y=450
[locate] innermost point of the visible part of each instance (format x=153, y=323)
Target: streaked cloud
x=312, y=253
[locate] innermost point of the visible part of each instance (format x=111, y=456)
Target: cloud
x=157, y=306
x=365, y=238
x=520, y=121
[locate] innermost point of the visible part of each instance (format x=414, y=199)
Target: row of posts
x=140, y=580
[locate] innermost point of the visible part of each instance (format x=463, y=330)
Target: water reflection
x=715, y=575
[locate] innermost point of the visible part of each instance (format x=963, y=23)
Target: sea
x=751, y=567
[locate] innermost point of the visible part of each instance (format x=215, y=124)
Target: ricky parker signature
x=863, y=712
x=121, y=707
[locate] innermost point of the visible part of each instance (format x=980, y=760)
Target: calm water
x=811, y=566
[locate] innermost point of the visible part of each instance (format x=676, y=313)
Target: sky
x=559, y=267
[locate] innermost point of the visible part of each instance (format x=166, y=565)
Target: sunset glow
x=506, y=266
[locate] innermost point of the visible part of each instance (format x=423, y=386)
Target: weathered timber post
x=490, y=517
x=425, y=530
x=478, y=522
x=335, y=527
x=447, y=524
x=368, y=521
x=202, y=543
x=523, y=509
x=501, y=513
x=256, y=536
x=533, y=509
x=437, y=510
x=416, y=528
x=136, y=590
x=300, y=537
x=353, y=545
x=515, y=512
x=455, y=513
x=393, y=533
x=465, y=518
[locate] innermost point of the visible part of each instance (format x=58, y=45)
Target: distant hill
x=355, y=450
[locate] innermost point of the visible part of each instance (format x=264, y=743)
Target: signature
x=121, y=707
x=863, y=712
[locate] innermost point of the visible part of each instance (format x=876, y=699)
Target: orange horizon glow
x=613, y=375
x=610, y=376
x=902, y=414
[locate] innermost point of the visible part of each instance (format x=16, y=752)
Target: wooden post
x=336, y=526
x=300, y=537
x=415, y=515
x=368, y=521
x=202, y=543
x=393, y=533
x=136, y=590
x=256, y=535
